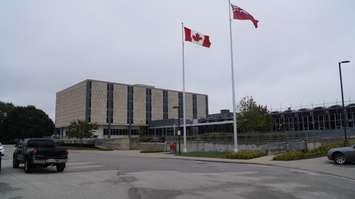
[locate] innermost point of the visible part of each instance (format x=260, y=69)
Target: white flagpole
x=183, y=85
x=233, y=81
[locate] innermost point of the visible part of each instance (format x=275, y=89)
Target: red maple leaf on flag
x=197, y=37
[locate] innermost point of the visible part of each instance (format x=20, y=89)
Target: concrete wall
x=70, y=105
x=173, y=100
x=119, y=104
x=139, y=105
x=201, y=106
x=98, y=102
x=157, y=104
x=271, y=147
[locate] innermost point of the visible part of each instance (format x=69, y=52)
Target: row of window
x=333, y=121
x=121, y=131
x=130, y=112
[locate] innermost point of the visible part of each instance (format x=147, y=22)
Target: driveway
x=121, y=174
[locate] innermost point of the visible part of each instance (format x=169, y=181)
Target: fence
x=274, y=141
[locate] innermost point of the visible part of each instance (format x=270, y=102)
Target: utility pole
x=345, y=116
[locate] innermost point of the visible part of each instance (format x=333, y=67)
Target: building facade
x=327, y=120
x=123, y=108
x=319, y=118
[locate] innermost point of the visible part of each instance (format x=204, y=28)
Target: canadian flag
x=197, y=38
x=240, y=14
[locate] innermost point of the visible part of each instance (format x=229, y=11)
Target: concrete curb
x=255, y=163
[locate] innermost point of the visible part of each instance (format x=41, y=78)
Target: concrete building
x=123, y=107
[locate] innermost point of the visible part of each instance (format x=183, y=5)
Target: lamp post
x=178, y=127
x=345, y=118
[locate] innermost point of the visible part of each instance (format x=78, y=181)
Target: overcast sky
x=290, y=60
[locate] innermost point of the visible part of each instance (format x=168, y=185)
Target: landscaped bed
x=315, y=153
x=244, y=154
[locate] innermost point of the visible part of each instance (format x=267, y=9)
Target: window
x=165, y=105
x=194, y=106
x=88, y=101
x=148, y=103
x=130, y=105
x=109, y=105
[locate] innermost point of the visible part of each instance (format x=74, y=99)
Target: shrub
x=290, y=155
x=245, y=154
x=318, y=152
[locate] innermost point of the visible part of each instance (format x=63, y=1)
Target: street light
x=178, y=127
x=345, y=118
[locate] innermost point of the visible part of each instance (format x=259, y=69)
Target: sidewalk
x=317, y=165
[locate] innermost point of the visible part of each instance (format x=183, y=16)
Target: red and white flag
x=240, y=14
x=197, y=38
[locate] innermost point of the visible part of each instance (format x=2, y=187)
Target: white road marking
x=84, y=166
x=79, y=163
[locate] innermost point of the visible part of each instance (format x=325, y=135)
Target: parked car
x=2, y=149
x=342, y=155
x=41, y=152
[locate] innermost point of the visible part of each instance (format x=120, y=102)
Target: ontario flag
x=240, y=14
x=197, y=38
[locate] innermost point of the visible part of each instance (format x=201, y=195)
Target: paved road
x=98, y=174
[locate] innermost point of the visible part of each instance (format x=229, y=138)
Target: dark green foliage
x=244, y=154
x=23, y=122
x=81, y=129
x=253, y=117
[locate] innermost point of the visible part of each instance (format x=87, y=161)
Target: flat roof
x=135, y=85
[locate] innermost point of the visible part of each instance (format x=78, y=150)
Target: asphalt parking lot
x=115, y=174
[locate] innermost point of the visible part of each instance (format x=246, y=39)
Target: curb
x=262, y=164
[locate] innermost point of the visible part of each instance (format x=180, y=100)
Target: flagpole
x=233, y=81
x=183, y=85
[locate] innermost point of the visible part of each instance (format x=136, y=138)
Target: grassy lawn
x=87, y=148
x=245, y=154
x=315, y=153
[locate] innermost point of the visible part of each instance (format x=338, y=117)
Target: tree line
x=19, y=122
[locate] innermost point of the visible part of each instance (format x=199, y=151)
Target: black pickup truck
x=39, y=152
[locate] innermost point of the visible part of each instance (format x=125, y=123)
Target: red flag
x=197, y=38
x=239, y=13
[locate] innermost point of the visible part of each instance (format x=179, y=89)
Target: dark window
x=206, y=105
x=148, y=103
x=130, y=105
x=181, y=108
x=109, y=110
x=165, y=105
x=88, y=101
x=194, y=106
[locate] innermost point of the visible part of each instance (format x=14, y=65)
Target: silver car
x=342, y=155
x=2, y=150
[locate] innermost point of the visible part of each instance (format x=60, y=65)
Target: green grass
x=315, y=153
x=151, y=151
x=88, y=148
x=245, y=154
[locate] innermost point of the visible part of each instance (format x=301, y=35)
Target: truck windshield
x=41, y=143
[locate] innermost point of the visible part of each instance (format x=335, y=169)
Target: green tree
x=81, y=129
x=23, y=122
x=253, y=117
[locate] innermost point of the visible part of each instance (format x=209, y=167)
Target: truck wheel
x=60, y=167
x=15, y=163
x=28, y=166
